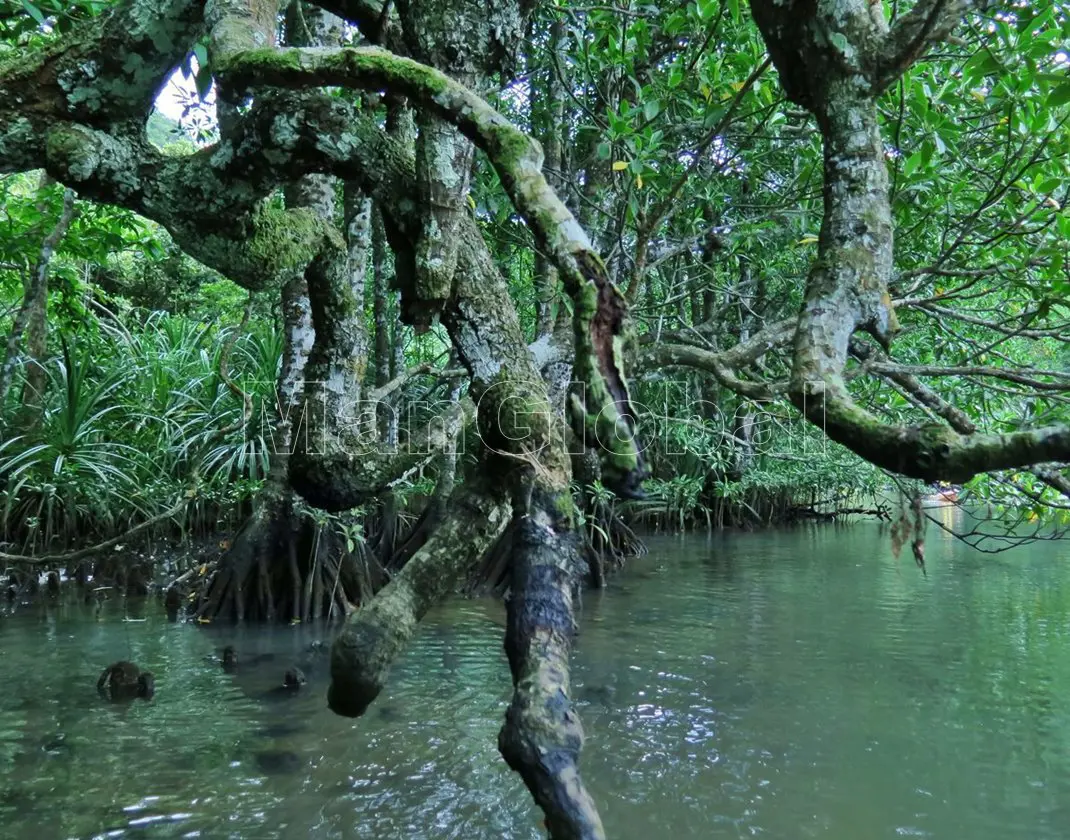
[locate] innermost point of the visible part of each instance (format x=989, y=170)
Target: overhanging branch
x=847, y=286
x=606, y=414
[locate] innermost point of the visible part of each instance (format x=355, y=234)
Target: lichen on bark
x=606, y=404
x=373, y=636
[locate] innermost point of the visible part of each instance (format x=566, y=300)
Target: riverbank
x=175, y=565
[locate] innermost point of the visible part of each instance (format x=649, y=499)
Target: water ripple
x=777, y=685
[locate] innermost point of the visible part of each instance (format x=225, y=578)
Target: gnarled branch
x=599, y=308
x=375, y=634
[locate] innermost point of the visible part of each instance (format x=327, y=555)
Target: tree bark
x=255, y=560
x=834, y=62
x=387, y=337
x=34, y=379
x=542, y=735
x=374, y=635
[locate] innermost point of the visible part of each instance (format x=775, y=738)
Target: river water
x=785, y=684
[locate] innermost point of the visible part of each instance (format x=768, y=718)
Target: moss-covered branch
x=216, y=215
x=375, y=634
x=542, y=736
x=847, y=286
x=336, y=467
x=77, y=109
x=606, y=417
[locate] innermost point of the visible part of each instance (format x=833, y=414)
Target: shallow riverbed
x=785, y=684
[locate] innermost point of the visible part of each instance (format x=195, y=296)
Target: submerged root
x=239, y=589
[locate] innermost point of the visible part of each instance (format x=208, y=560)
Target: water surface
x=786, y=684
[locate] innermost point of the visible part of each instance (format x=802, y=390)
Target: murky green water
x=781, y=685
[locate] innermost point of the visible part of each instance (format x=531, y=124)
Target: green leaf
x=1062, y=224
x=33, y=11
x=1059, y=96
x=927, y=149
x=200, y=52
x=651, y=108
x=706, y=9
x=911, y=164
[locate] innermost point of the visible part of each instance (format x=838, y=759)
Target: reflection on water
x=786, y=684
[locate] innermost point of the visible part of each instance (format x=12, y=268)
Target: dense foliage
x=701, y=184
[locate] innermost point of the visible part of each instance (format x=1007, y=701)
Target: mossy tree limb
x=518, y=424
x=605, y=416
x=375, y=634
x=542, y=735
x=834, y=58
x=336, y=468
x=103, y=75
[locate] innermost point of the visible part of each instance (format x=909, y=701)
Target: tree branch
x=928, y=23
x=375, y=634
x=605, y=412
x=657, y=356
x=1055, y=480
x=726, y=364
x=87, y=76
x=34, y=289
x=872, y=358
x=542, y=735
x=847, y=286
x=1025, y=376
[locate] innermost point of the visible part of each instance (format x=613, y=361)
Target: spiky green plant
x=130, y=416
